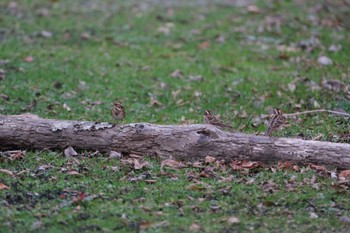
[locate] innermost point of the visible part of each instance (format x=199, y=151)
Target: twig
x=318, y=110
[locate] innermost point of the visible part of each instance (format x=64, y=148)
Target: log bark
x=183, y=142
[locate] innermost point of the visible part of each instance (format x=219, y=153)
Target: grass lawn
x=168, y=61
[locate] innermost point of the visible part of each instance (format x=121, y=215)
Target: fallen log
x=183, y=142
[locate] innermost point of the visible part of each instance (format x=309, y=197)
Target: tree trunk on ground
x=183, y=142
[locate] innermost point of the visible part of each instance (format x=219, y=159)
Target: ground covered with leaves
x=168, y=62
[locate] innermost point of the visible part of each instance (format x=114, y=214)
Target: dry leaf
x=195, y=227
x=114, y=168
x=345, y=173
x=66, y=107
x=7, y=172
x=287, y=165
x=154, y=102
x=204, y=45
x=209, y=159
x=317, y=137
x=69, y=152
x=28, y=59
x=231, y=220
x=270, y=186
x=220, y=39
x=175, y=94
x=166, y=28
x=313, y=215
x=37, y=225
x=73, y=172
x=344, y=219
x=83, y=85
x=243, y=114
x=195, y=78
x=334, y=48
x=4, y=97
x=114, y=155
x=226, y=179
x=177, y=74
x=145, y=224
x=42, y=12
x=135, y=156
x=172, y=164
x=195, y=187
x=46, y=34
x=323, y=60
x=291, y=87
x=253, y=9
x=318, y=168
x=85, y=35
x=139, y=165
x=3, y=186
x=2, y=73
x=249, y=164
x=332, y=85
x=15, y=154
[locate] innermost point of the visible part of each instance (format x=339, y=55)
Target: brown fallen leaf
x=323, y=60
x=344, y=219
x=45, y=34
x=2, y=73
x=28, y=59
x=204, y=45
x=145, y=224
x=15, y=154
x=177, y=74
x=253, y=9
x=318, y=168
x=3, y=186
x=232, y=220
x=244, y=164
x=249, y=164
x=135, y=163
x=4, y=97
x=154, y=102
x=135, y=156
x=85, y=36
x=195, y=187
x=345, y=173
x=114, y=155
x=195, y=227
x=226, y=179
x=287, y=165
x=209, y=159
x=7, y=172
x=332, y=85
x=73, y=172
x=172, y=164
x=69, y=152
x=139, y=165
x=195, y=78
x=270, y=186
x=66, y=107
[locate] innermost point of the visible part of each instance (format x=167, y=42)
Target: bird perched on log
x=118, y=111
x=211, y=119
x=276, y=121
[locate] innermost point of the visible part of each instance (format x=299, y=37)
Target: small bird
x=118, y=111
x=276, y=121
x=211, y=119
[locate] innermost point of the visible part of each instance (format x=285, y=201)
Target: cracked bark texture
x=184, y=142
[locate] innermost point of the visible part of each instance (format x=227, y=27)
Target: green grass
x=127, y=57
